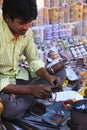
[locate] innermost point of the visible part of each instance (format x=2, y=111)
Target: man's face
x=17, y=25
x=1, y=1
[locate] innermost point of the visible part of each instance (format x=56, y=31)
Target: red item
x=67, y=103
x=16, y=36
x=58, y=121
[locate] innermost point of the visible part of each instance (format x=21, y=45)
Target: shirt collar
x=16, y=36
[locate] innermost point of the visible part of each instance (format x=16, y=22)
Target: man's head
x=18, y=14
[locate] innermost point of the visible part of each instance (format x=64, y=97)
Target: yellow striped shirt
x=10, y=51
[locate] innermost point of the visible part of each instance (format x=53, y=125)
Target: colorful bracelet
x=59, y=121
x=67, y=103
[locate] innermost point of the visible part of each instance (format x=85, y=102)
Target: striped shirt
x=11, y=50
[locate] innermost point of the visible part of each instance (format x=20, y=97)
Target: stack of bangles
x=67, y=103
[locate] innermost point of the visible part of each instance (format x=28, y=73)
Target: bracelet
x=52, y=71
x=59, y=121
x=67, y=103
x=53, y=100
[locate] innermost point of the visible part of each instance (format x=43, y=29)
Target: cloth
x=16, y=106
x=11, y=49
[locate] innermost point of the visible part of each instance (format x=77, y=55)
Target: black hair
x=23, y=9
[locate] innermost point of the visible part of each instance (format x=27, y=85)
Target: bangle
x=52, y=71
x=59, y=121
x=67, y=103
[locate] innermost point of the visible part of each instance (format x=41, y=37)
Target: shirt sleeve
x=31, y=53
x=34, y=66
x=4, y=82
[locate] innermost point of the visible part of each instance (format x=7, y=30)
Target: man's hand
x=53, y=80
x=40, y=91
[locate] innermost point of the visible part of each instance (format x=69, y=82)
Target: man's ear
x=7, y=18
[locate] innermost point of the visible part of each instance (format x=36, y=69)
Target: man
x=16, y=39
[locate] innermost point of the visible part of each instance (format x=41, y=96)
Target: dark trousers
x=16, y=106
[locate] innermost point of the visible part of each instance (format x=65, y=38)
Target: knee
x=13, y=112
x=15, y=108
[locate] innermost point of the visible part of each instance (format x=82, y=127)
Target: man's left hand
x=53, y=80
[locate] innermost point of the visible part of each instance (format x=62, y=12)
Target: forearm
x=52, y=79
x=38, y=91
x=42, y=72
x=17, y=89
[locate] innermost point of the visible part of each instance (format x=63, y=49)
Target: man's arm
x=42, y=72
x=17, y=89
x=38, y=91
x=52, y=79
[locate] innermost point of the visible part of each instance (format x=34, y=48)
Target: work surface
x=35, y=119
x=32, y=121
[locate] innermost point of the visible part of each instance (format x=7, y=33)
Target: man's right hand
x=40, y=91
